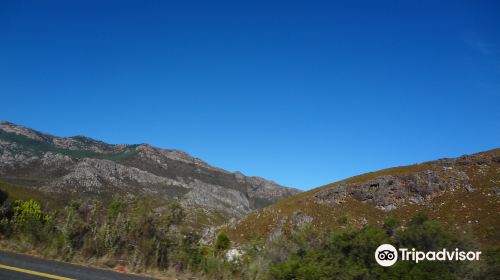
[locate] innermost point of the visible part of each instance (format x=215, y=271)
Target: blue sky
x=300, y=92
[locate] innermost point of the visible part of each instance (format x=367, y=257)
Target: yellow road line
x=27, y=271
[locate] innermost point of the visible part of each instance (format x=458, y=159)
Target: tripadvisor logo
x=387, y=255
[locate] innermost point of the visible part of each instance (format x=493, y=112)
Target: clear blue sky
x=304, y=93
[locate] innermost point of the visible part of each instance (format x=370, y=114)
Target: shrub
x=491, y=263
x=390, y=226
x=222, y=242
x=349, y=254
x=29, y=219
x=3, y=196
x=116, y=207
x=343, y=220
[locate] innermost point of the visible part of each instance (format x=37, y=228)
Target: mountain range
x=80, y=166
x=462, y=192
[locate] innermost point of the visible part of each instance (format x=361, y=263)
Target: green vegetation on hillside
x=142, y=235
x=350, y=254
x=40, y=147
x=130, y=153
x=146, y=237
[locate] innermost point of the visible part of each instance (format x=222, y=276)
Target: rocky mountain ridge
x=462, y=192
x=80, y=165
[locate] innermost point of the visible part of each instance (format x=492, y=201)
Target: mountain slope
x=463, y=193
x=81, y=166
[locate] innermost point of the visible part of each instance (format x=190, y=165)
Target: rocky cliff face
x=388, y=192
x=81, y=165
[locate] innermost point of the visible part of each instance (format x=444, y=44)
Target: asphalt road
x=16, y=267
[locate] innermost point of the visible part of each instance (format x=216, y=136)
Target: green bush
x=6, y=211
x=490, y=267
x=222, y=242
x=349, y=255
x=391, y=225
x=145, y=237
x=116, y=207
x=3, y=196
x=29, y=219
x=29, y=211
x=343, y=220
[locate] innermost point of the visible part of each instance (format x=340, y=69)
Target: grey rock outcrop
x=390, y=192
x=81, y=165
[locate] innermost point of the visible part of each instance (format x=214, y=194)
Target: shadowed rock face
x=81, y=165
x=389, y=192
